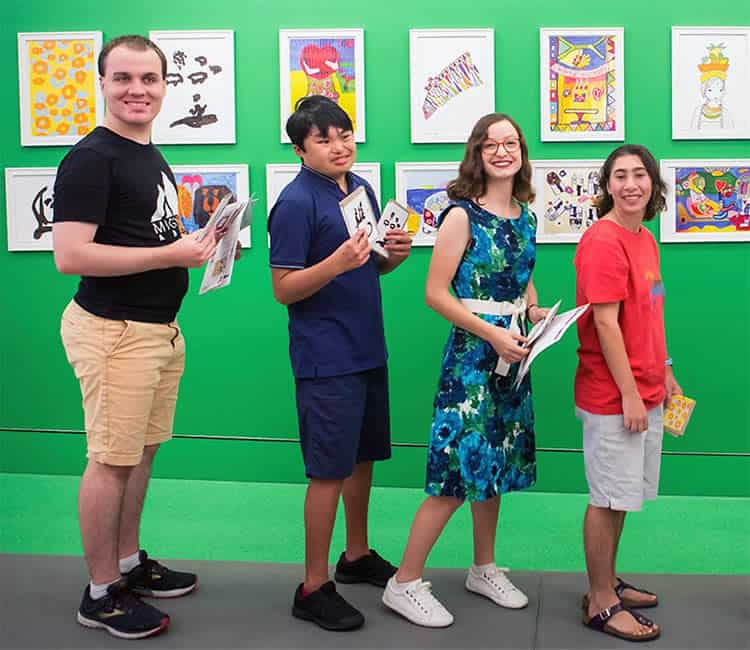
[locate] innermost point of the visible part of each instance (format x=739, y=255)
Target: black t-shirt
x=128, y=190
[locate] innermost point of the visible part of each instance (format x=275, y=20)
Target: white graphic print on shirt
x=164, y=218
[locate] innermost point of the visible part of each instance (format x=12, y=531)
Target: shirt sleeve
x=290, y=230
x=82, y=187
x=602, y=271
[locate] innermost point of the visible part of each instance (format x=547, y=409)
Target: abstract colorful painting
x=200, y=188
x=565, y=193
x=29, y=203
x=710, y=82
x=452, y=74
x=58, y=86
x=323, y=62
x=707, y=200
x=582, y=84
x=420, y=187
x=199, y=105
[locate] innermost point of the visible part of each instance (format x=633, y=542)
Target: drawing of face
x=713, y=90
x=629, y=185
x=331, y=154
x=133, y=87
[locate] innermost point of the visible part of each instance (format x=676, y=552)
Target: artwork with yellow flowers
x=710, y=83
x=582, y=81
x=58, y=86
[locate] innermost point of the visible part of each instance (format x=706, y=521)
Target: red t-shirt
x=616, y=265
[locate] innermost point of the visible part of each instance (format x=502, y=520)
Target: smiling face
x=629, y=185
x=331, y=154
x=498, y=161
x=133, y=89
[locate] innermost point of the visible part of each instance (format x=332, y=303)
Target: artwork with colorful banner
x=58, y=82
x=707, y=200
x=582, y=84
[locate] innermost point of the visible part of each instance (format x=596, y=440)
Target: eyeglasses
x=492, y=147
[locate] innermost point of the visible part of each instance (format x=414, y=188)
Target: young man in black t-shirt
x=116, y=226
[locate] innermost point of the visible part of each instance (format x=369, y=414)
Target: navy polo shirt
x=339, y=329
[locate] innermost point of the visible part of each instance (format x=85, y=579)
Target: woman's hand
x=507, y=345
x=535, y=313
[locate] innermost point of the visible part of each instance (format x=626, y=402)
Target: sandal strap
x=643, y=620
x=622, y=586
x=598, y=621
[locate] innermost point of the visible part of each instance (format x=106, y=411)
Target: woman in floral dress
x=482, y=438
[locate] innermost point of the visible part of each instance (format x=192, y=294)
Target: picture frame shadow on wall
x=58, y=86
x=707, y=201
x=420, y=188
x=328, y=62
x=582, y=83
x=29, y=205
x=451, y=80
x=200, y=189
x=199, y=107
x=710, y=83
x=564, y=203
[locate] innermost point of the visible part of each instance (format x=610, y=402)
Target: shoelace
x=124, y=599
x=497, y=577
x=423, y=597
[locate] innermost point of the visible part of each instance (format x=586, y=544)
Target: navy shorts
x=343, y=420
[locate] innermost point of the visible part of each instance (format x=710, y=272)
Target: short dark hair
x=658, y=199
x=134, y=42
x=315, y=111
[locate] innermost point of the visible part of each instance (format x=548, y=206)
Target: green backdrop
x=236, y=417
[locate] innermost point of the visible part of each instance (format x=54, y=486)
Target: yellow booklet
x=677, y=414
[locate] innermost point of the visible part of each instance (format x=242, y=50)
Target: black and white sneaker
x=327, y=608
x=121, y=613
x=369, y=568
x=150, y=578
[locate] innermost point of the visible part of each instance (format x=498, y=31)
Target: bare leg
x=428, y=523
x=640, y=597
x=484, y=515
x=356, y=496
x=100, y=503
x=321, y=501
x=135, y=494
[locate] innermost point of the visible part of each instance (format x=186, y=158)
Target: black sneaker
x=121, y=613
x=369, y=568
x=150, y=578
x=327, y=608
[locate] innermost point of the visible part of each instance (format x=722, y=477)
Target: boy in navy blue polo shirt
x=330, y=283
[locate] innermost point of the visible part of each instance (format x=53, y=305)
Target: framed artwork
x=452, y=81
x=58, y=86
x=582, y=81
x=199, y=105
x=329, y=62
x=565, y=190
x=710, y=83
x=707, y=201
x=200, y=188
x=420, y=187
x=29, y=204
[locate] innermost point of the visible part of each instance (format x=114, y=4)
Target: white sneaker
x=495, y=585
x=415, y=602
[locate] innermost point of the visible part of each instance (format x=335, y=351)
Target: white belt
x=516, y=310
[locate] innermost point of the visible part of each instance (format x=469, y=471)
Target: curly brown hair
x=472, y=181
x=658, y=199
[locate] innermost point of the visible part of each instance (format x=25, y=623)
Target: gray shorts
x=622, y=468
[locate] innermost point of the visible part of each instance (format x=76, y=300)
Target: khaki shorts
x=129, y=373
x=622, y=468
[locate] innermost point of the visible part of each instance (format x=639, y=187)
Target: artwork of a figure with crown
x=582, y=82
x=710, y=82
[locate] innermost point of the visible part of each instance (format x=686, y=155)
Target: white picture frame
x=55, y=93
x=565, y=190
x=710, y=83
x=305, y=67
x=199, y=107
x=451, y=80
x=582, y=99
x=29, y=207
x=210, y=182
x=420, y=187
x=707, y=201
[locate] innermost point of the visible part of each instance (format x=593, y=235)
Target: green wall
x=238, y=381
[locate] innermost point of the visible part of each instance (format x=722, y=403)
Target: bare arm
x=76, y=253
x=293, y=285
x=452, y=239
x=613, y=348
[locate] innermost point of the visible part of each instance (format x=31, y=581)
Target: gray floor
x=243, y=605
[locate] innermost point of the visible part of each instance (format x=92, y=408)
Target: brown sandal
x=600, y=623
x=628, y=602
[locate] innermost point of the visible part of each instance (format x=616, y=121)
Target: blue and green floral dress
x=482, y=437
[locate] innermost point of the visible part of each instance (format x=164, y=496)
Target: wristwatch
x=668, y=361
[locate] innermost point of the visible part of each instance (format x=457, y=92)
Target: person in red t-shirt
x=623, y=379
